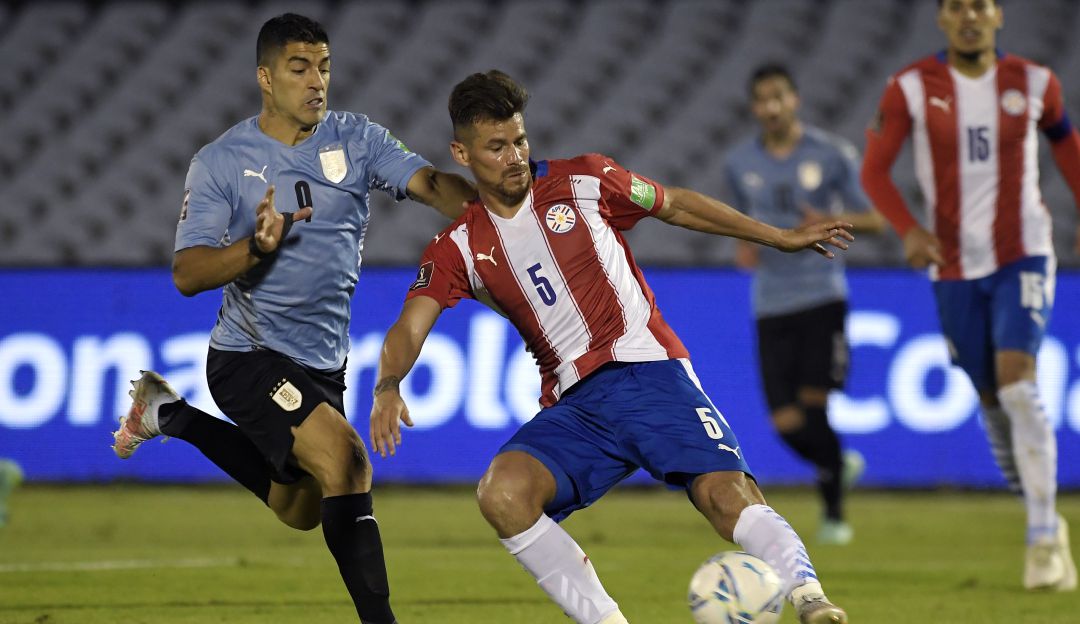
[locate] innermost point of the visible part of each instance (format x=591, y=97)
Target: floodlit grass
x=187, y=555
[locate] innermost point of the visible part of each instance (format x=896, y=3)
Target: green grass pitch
x=202, y=555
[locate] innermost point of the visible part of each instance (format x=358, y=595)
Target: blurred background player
x=975, y=112
x=618, y=391
x=789, y=175
x=276, y=364
x=11, y=475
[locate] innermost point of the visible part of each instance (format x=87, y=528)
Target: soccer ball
x=736, y=588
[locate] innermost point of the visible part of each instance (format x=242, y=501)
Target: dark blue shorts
x=650, y=415
x=1005, y=311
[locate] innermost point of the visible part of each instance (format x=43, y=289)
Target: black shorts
x=803, y=349
x=266, y=394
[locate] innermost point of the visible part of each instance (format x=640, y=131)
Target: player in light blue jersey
x=789, y=175
x=275, y=212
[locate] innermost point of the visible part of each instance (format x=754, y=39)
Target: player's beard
x=970, y=56
x=514, y=196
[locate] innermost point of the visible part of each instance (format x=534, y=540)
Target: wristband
x=253, y=249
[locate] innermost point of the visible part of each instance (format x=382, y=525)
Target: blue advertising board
x=71, y=339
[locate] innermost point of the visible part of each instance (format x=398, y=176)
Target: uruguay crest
x=334, y=166
x=560, y=218
x=810, y=175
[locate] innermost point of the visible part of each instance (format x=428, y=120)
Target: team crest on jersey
x=423, y=275
x=810, y=174
x=287, y=396
x=752, y=179
x=332, y=158
x=560, y=218
x=1013, y=102
x=184, y=205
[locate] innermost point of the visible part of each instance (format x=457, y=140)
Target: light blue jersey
x=298, y=301
x=822, y=173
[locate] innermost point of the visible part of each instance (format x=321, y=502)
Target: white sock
x=562, y=570
x=765, y=534
x=998, y=429
x=1035, y=450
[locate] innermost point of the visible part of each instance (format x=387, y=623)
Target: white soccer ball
x=736, y=588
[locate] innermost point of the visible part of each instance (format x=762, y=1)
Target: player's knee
x=788, y=419
x=300, y=519
x=812, y=396
x=504, y=493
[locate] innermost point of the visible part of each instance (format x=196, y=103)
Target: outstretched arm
x=446, y=192
x=400, y=349
x=694, y=211
x=201, y=268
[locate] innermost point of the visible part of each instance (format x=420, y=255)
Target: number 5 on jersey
x=712, y=428
x=543, y=285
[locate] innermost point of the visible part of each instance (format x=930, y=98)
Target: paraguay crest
x=1013, y=102
x=560, y=218
x=334, y=166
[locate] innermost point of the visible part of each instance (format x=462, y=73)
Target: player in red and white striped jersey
x=544, y=248
x=974, y=114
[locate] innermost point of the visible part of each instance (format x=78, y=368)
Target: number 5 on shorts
x=711, y=426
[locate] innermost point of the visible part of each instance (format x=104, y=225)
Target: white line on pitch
x=128, y=564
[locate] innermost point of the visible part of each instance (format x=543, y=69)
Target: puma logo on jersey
x=249, y=173
x=943, y=104
x=725, y=447
x=608, y=168
x=438, y=237
x=487, y=256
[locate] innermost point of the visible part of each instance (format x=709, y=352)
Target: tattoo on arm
x=386, y=383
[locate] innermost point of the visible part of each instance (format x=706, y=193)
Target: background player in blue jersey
x=792, y=174
x=276, y=364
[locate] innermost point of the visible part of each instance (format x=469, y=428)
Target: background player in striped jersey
x=544, y=249
x=276, y=364
x=788, y=175
x=974, y=113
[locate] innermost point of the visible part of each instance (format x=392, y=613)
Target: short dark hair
x=279, y=31
x=941, y=3
x=771, y=70
x=490, y=96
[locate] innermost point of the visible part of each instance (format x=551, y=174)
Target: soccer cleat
x=140, y=424
x=615, y=618
x=818, y=610
x=835, y=533
x=11, y=475
x=1049, y=564
x=853, y=468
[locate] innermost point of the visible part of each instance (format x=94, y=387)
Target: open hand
x=270, y=225
x=815, y=236
x=387, y=412
x=921, y=248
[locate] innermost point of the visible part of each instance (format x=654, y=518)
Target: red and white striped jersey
x=976, y=158
x=560, y=270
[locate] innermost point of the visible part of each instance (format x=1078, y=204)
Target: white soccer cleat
x=853, y=468
x=835, y=533
x=140, y=424
x=11, y=475
x=1048, y=564
x=813, y=607
x=818, y=610
x=615, y=618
